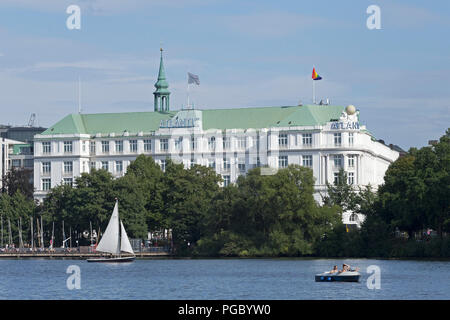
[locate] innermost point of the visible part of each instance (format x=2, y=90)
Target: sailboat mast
x=20, y=233
x=9, y=233
x=38, y=232
x=118, y=226
x=90, y=226
x=1, y=220
x=31, y=232
x=42, y=235
x=53, y=236
x=64, y=236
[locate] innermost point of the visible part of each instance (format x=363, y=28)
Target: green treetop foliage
x=19, y=180
x=267, y=215
x=416, y=190
x=187, y=196
x=16, y=210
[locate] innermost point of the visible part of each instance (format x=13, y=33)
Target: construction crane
x=31, y=121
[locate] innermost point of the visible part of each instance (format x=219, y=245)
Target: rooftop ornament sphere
x=350, y=109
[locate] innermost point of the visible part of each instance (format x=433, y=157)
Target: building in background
x=325, y=138
x=17, y=148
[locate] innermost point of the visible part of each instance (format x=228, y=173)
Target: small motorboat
x=346, y=276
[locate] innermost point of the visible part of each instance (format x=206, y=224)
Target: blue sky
x=246, y=53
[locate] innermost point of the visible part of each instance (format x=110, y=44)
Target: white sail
x=125, y=244
x=110, y=240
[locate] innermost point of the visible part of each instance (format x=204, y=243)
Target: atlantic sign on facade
x=345, y=125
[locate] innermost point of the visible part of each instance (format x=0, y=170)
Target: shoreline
x=160, y=255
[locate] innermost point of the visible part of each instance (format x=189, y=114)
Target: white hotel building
x=324, y=138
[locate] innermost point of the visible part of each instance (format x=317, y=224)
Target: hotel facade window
x=241, y=143
x=105, y=146
x=337, y=160
x=46, y=147
x=336, y=179
x=92, y=165
x=337, y=139
x=351, y=177
x=226, y=143
x=307, y=161
x=212, y=164
x=46, y=168
x=351, y=138
x=226, y=180
x=212, y=143
x=68, y=148
x=307, y=139
x=282, y=161
x=68, y=166
x=92, y=147
x=119, y=146
x=119, y=166
x=164, y=144
x=147, y=145
x=133, y=146
x=226, y=164
x=163, y=165
x=68, y=181
x=46, y=184
x=193, y=144
x=351, y=160
x=105, y=165
x=178, y=144
x=241, y=165
x=283, y=140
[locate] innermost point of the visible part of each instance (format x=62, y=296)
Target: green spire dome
x=161, y=93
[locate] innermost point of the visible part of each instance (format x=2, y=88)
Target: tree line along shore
x=258, y=216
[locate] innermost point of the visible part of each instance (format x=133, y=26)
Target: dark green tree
x=188, y=196
x=341, y=193
x=18, y=179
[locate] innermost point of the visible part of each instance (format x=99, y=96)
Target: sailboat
x=114, y=241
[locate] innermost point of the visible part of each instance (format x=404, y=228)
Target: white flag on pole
x=192, y=78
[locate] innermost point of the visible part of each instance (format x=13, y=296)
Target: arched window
x=353, y=217
x=212, y=143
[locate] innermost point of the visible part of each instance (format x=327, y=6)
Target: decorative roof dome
x=350, y=109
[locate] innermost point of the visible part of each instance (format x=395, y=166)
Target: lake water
x=211, y=279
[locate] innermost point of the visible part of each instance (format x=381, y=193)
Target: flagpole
x=314, y=87
x=79, y=95
x=188, y=95
x=314, y=92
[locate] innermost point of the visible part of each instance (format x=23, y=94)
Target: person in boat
x=345, y=267
x=335, y=269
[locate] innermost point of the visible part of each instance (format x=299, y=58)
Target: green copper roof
x=17, y=148
x=132, y=122
x=238, y=118
x=266, y=117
